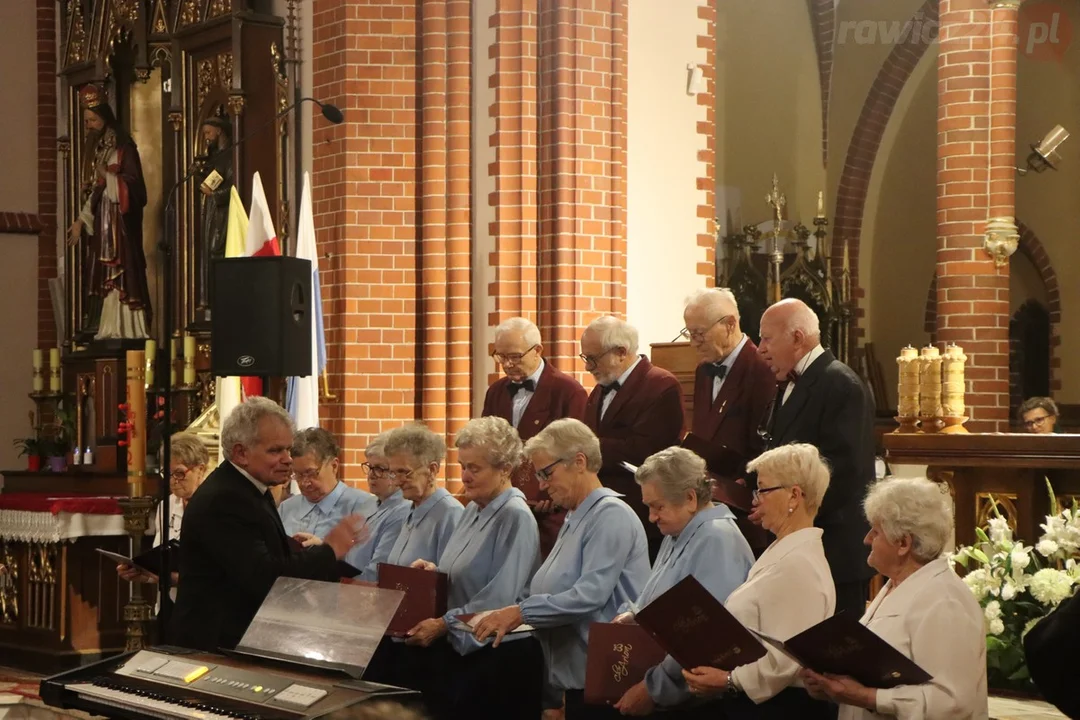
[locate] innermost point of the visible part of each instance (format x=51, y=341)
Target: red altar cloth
x=37, y=502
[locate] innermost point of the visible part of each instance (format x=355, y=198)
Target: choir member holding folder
x=925, y=611
x=489, y=559
x=600, y=561
x=788, y=590
x=700, y=539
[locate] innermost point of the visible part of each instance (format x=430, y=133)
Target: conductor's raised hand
x=351, y=531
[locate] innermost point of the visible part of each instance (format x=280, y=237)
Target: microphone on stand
x=333, y=115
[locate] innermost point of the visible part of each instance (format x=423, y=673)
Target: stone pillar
x=976, y=147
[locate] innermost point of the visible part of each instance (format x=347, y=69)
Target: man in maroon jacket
x=733, y=390
x=532, y=395
x=635, y=409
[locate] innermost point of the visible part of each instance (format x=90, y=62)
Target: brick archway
x=866, y=140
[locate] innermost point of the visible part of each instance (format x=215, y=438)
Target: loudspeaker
x=261, y=321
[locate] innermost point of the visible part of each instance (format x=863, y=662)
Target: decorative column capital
x=1001, y=239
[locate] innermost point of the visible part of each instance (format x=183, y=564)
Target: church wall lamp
x=1044, y=155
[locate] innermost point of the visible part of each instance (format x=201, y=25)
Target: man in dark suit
x=733, y=389
x=531, y=396
x=1052, y=660
x=823, y=402
x=635, y=409
x=234, y=546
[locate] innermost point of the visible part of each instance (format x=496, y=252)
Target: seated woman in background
x=489, y=559
x=925, y=611
x=600, y=561
x=323, y=500
x=385, y=523
x=189, y=463
x=789, y=589
x=700, y=539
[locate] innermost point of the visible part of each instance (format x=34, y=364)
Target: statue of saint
x=113, y=194
x=215, y=184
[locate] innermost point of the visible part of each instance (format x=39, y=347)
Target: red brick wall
x=972, y=292
x=707, y=128
x=47, y=189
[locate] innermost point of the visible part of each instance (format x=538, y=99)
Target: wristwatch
x=731, y=687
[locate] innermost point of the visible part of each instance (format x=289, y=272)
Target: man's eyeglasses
x=544, y=474
x=511, y=358
x=375, y=470
x=764, y=491
x=1037, y=422
x=699, y=335
x=594, y=359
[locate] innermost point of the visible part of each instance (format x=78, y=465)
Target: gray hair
x=614, y=333
x=718, y=301
x=675, y=472
x=527, y=328
x=317, y=441
x=564, y=439
x=1037, y=403
x=188, y=449
x=377, y=446
x=801, y=318
x=241, y=427
x=416, y=441
x=796, y=465
x=495, y=437
x=916, y=507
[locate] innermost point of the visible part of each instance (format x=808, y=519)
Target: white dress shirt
x=258, y=485
x=800, y=368
x=523, y=396
x=932, y=618
x=728, y=362
x=621, y=380
x=789, y=589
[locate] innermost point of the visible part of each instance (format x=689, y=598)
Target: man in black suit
x=823, y=402
x=1050, y=650
x=234, y=545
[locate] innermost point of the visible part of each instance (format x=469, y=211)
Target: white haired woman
x=925, y=611
x=489, y=559
x=788, y=590
x=600, y=561
x=700, y=539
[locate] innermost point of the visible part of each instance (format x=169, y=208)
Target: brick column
x=583, y=84
x=976, y=141
x=47, y=167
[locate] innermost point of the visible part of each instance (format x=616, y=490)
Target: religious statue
x=113, y=197
x=215, y=184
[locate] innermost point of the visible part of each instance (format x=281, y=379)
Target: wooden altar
x=1011, y=469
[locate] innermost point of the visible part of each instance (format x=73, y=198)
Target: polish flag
x=261, y=238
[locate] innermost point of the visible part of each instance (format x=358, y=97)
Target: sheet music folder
x=843, y=646
x=322, y=625
x=151, y=560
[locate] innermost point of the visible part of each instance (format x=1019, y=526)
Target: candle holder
x=909, y=425
x=953, y=425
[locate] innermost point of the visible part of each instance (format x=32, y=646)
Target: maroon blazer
x=557, y=396
x=645, y=417
x=730, y=425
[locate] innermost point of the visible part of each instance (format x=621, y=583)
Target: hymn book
x=697, y=630
x=150, y=561
x=425, y=595
x=841, y=645
x=212, y=181
x=723, y=464
x=619, y=656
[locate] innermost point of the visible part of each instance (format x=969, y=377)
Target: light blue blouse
x=383, y=525
x=600, y=561
x=427, y=529
x=490, y=558
x=712, y=549
x=299, y=515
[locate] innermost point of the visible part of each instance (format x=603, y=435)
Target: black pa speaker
x=261, y=322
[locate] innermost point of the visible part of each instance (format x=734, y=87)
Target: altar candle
x=821, y=203
x=151, y=355
x=189, y=360
x=172, y=349
x=54, y=357
x=54, y=370
x=189, y=347
x=38, y=358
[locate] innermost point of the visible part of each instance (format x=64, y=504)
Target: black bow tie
x=605, y=389
x=717, y=370
x=514, y=387
x=792, y=377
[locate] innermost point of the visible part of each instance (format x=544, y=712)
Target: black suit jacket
x=233, y=549
x=1052, y=660
x=830, y=408
x=645, y=416
x=557, y=396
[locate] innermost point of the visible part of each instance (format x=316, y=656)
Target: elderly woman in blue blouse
x=489, y=560
x=789, y=589
x=600, y=561
x=700, y=539
x=925, y=611
x=385, y=523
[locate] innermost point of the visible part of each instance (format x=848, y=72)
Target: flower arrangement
x=1017, y=585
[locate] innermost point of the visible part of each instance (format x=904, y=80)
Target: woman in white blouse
x=925, y=611
x=788, y=590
